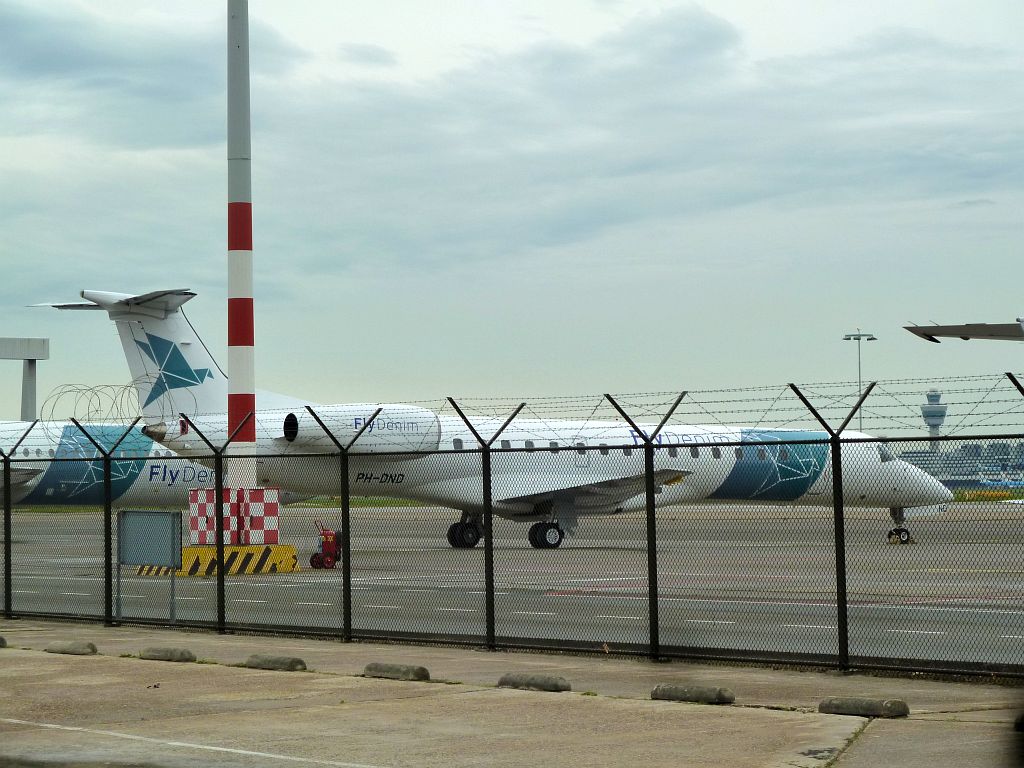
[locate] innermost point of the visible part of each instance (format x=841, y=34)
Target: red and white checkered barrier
x=250, y=515
x=259, y=513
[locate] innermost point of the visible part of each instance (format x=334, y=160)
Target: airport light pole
x=859, y=336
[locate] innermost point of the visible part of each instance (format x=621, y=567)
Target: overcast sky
x=524, y=198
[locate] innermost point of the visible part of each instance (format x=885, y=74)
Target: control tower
x=934, y=415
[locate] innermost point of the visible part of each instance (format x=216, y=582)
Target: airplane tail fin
x=172, y=370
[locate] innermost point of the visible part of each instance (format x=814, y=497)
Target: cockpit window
x=885, y=453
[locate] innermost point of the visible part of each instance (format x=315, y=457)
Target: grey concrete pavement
x=121, y=709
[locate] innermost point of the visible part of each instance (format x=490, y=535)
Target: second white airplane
x=546, y=472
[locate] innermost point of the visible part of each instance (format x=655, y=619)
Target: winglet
x=919, y=330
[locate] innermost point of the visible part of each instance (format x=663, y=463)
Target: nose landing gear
x=899, y=534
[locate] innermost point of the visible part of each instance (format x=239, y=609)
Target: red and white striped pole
x=241, y=337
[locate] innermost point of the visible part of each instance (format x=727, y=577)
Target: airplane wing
x=604, y=493
x=995, y=331
x=21, y=475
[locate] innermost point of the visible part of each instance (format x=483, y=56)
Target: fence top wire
x=975, y=406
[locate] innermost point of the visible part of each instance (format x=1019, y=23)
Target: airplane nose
x=921, y=489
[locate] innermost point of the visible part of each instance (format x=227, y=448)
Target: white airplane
x=55, y=464
x=413, y=453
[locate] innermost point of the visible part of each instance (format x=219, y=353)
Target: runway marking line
x=708, y=621
x=629, y=618
x=916, y=631
x=806, y=626
x=186, y=744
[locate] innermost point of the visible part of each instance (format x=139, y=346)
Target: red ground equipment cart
x=329, y=551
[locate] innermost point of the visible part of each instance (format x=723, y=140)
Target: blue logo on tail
x=175, y=372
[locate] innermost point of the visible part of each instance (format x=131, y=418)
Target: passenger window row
x=604, y=449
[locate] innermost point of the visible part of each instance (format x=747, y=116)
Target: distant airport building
x=29, y=351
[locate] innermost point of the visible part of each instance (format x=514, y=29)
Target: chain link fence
x=730, y=540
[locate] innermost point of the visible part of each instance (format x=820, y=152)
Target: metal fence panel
x=407, y=579
x=953, y=593
x=591, y=591
x=57, y=549
x=146, y=592
x=741, y=578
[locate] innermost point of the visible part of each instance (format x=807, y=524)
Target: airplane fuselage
x=58, y=465
x=536, y=465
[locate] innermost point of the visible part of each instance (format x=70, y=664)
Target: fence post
x=8, y=593
x=653, y=619
x=1013, y=380
x=346, y=520
x=108, y=519
x=8, y=525
x=218, y=468
x=485, y=461
x=838, y=519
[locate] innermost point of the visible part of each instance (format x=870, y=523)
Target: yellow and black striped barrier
x=252, y=558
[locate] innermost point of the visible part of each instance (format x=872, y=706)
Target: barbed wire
x=980, y=403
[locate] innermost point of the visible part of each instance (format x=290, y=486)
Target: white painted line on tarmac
x=242, y=600
x=916, y=631
x=460, y=610
x=24, y=592
x=626, y=618
x=327, y=605
x=1011, y=637
x=708, y=621
x=77, y=594
x=190, y=598
x=186, y=744
x=534, y=613
x=385, y=607
x=807, y=626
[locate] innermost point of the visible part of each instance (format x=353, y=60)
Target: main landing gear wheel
x=545, y=535
x=463, y=535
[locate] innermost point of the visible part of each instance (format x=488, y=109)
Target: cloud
x=981, y=202
x=550, y=194
x=367, y=55
x=664, y=120
x=120, y=83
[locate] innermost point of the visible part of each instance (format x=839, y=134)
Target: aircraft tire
x=463, y=535
x=546, y=535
